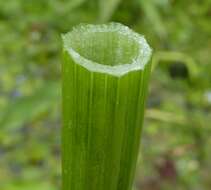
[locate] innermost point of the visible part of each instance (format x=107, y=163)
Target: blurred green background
x=175, y=150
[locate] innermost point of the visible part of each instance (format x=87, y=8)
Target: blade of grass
x=152, y=14
x=107, y=9
x=105, y=77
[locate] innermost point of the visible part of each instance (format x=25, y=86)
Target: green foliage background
x=176, y=137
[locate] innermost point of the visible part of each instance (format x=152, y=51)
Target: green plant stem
x=103, y=108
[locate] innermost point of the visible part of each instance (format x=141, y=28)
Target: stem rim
x=138, y=63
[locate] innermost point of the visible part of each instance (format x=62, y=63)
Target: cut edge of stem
x=138, y=62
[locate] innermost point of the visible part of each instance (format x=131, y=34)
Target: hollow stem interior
x=106, y=48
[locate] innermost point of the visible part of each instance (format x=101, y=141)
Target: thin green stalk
x=105, y=76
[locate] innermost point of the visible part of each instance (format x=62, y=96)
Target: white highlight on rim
x=138, y=62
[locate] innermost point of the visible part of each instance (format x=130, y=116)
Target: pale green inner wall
x=107, y=48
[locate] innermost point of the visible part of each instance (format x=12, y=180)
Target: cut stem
x=105, y=76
